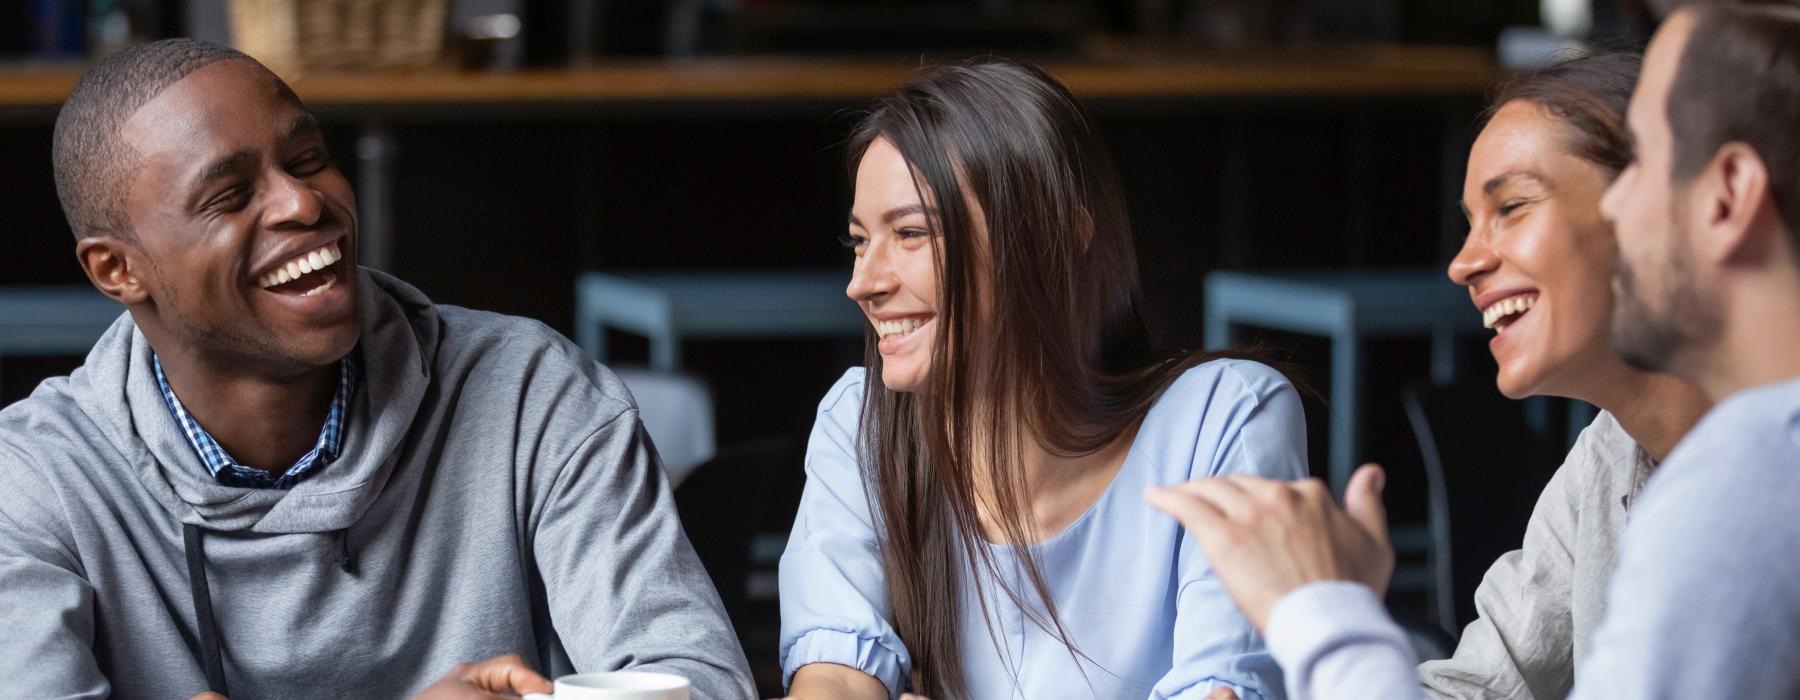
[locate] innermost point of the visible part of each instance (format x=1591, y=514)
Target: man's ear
x=1738, y=208
x=116, y=267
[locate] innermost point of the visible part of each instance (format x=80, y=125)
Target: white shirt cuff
x=1332, y=635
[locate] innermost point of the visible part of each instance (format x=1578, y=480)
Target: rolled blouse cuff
x=867, y=654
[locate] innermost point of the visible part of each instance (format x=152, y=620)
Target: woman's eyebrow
x=902, y=212
x=1498, y=181
x=895, y=214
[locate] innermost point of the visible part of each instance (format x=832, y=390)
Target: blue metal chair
x=64, y=320
x=1347, y=307
x=1484, y=469
x=670, y=306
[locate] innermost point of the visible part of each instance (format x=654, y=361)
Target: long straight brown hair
x=1040, y=337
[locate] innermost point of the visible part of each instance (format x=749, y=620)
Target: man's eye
x=310, y=164
x=230, y=199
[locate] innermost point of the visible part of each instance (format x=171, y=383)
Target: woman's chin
x=1516, y=384
x=906, y=380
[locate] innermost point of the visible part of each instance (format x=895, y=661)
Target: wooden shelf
x=1371, y=72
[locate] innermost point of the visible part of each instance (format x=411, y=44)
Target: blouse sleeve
x=834, y=606
x=1252, y=424
x=1522, y=645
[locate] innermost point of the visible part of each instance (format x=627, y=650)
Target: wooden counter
x=1247, y=85
x=1371, y=72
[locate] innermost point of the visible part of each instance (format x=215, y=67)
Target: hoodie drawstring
x=345, y=561
x=211, y=658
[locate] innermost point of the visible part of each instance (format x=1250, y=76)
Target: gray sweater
x=495, y=494
x=1541, y=604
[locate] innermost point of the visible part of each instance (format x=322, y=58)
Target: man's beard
x=1646, y=339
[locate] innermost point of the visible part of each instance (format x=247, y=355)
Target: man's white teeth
x=312, y=261
x=1496, y=314
x=900, y=327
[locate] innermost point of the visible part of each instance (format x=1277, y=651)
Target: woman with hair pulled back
x=973, y=524
x=1538, y=263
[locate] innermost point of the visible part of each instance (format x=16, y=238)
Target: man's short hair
x=1664, y=8
x=1739, y=81
x=93, y=167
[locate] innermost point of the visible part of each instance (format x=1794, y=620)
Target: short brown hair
x=1739, y=81
x=1664, y=8
x=1587, y=94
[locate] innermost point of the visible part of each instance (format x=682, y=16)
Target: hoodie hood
x=400, y=332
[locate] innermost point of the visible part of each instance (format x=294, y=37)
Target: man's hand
x=1266, y=538
x=1220, y=693
x=487, y=679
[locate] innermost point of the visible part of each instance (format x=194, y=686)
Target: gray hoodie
x=495, y=493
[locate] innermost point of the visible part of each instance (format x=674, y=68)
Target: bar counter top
x=1350, y=73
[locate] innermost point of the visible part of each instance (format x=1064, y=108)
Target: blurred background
x=664, y=181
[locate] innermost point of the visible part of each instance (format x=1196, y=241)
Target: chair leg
x=1346, y=424
x=590, y=334
x=665, y=352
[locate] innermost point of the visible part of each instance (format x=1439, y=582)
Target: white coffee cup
x=617, y=685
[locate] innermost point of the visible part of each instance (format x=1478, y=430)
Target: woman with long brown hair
x=973, y=522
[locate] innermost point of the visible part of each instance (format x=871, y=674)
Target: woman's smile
x=898, y=334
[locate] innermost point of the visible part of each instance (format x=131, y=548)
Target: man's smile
x=307, y=274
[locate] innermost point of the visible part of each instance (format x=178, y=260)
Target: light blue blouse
x=1132, y=590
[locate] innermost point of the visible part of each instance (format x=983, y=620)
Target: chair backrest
x=677, y=411
x=1484, y=468
x=749, y=489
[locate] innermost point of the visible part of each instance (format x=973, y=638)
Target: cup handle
x=537, y=696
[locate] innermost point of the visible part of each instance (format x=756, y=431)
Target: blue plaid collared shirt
x=229, y=472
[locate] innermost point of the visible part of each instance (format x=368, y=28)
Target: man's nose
x=293, y=203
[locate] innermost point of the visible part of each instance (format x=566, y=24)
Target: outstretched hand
x=1266, y=538
x=1219, y=693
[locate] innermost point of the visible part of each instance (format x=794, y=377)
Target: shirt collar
x=227, y=470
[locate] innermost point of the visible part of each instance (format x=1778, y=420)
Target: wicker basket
x=294, y=37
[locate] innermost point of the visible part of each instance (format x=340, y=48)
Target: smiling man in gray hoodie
x=280, y=475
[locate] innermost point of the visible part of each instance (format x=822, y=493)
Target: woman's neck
x=1656, y=410
x=1058, y=489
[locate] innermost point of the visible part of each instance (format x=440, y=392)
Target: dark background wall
x=502, y=216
